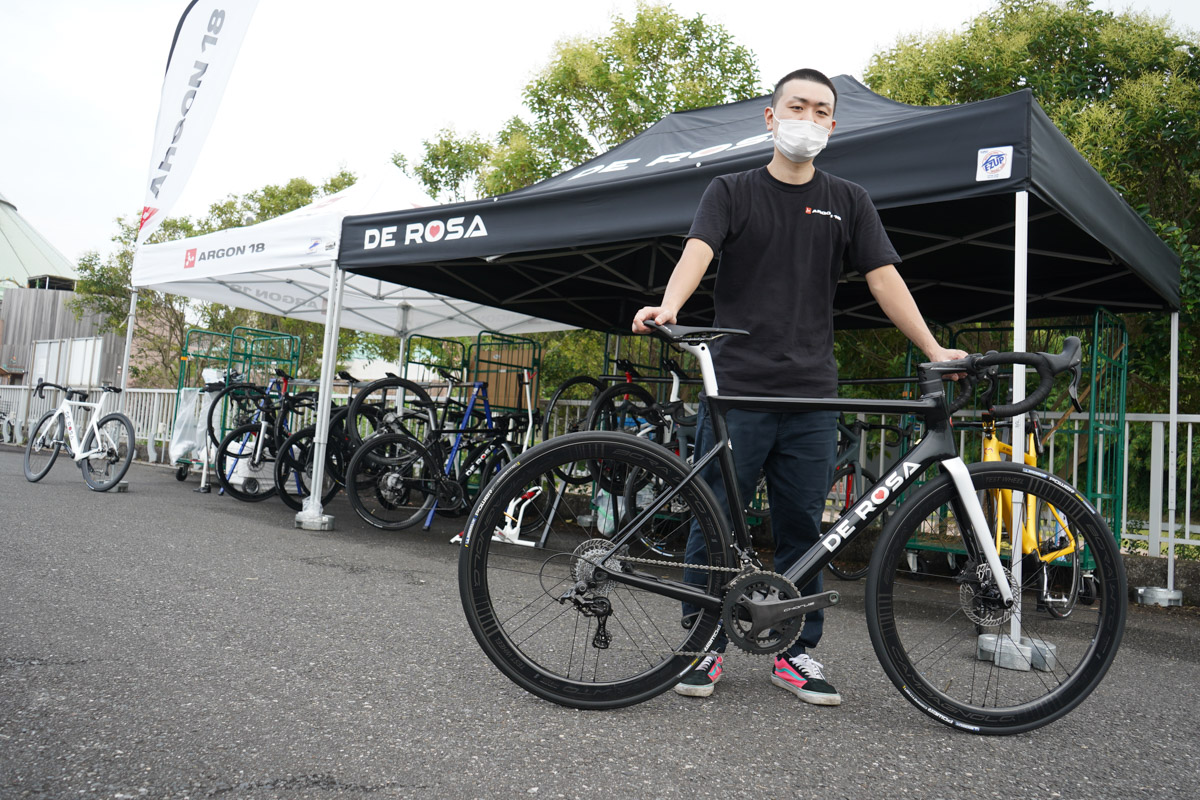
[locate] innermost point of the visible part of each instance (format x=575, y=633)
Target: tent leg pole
x=1020, y=344
x=1168, y=595
x=130, y=321
x=1173, y=450
x=313, y=517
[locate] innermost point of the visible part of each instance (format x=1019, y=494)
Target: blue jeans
x=796, y=451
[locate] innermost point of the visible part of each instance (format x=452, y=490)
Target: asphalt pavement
x=161, y=643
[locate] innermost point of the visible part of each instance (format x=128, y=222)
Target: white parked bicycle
x=108, y=444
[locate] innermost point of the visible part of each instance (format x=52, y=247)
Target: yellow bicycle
x=1046, y=541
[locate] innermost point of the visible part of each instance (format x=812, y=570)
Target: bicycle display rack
x=499, y=359
x=252, y=353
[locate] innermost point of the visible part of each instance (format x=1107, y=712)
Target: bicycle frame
x=73, y=440
x=993, y=450
x=937, y=447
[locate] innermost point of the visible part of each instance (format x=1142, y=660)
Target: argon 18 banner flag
x=206, y=44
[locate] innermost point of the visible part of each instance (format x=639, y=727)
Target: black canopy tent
x=590, y=246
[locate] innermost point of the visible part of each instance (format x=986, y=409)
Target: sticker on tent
x=995, y=164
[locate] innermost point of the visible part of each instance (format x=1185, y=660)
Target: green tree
x=1125, y=89
x=451, y=165
x=593, y=95
x=103, y=288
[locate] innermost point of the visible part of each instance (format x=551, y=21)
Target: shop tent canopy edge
x=591, y=245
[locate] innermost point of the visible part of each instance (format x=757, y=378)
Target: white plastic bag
x=608, y=508
x=189, y=430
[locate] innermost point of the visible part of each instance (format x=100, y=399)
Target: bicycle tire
x=844, y=493
x=294, y=469
x=537, y=512
x=243, y=475
x=38, y=447
x=392, y=481
x=568, y=391
x=927, y=633
x=102, y=472
x=248, y=397
x=511, y=595
x=370, y=412
x=637, y=407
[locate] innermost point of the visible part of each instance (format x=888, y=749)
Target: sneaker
x=802, y=676
x=703, y=677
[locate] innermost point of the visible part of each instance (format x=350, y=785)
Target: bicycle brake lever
x=1073, y=388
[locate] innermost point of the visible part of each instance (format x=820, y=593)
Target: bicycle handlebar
x=42, y=386
x=1047, y=365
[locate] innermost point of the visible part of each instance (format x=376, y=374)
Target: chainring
x=737, y=618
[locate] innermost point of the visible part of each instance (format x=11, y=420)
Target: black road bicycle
x=589, y=622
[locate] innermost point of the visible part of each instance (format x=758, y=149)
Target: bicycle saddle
x=684, y=334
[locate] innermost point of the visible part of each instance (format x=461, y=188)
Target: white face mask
x=800, y=140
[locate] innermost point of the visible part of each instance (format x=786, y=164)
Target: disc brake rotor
x=980, y=597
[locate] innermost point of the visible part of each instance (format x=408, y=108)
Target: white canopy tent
x=287, y=266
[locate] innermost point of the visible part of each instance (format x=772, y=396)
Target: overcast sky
x=320, y=86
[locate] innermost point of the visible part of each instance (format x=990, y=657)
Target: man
x=785, y=231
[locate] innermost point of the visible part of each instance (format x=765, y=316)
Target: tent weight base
x=321, y=522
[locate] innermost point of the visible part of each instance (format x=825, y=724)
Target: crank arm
x=769, y=612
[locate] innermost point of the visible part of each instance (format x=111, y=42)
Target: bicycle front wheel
x=115, y=448
x=294, y=469
x=551, y=618
x=45, y=440
x=948, y=643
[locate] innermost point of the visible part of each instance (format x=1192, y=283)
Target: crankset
x=764, y=612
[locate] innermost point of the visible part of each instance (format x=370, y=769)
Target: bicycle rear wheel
x=1062, y=575
x=947, y=642
x=245, y=470
x=106, y=468
x=45, y=440
x=233, y=407
x=392, y=481
x=551, y=619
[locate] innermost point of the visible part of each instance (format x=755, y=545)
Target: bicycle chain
x=661, y=563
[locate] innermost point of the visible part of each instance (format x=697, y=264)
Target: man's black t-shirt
x=782, y=248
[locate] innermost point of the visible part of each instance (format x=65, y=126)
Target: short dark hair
x=803, y=75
